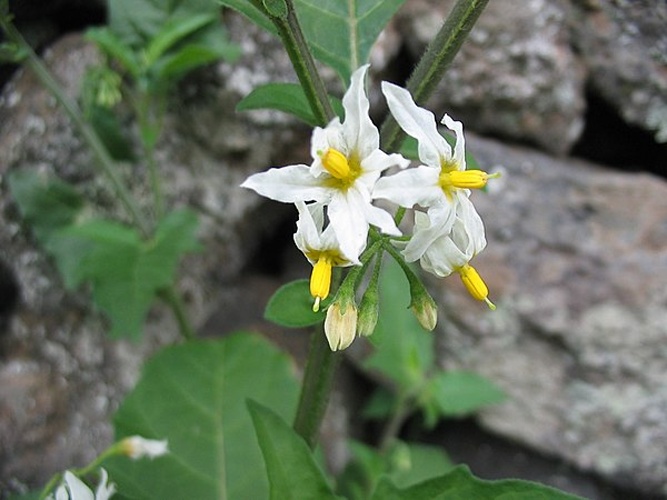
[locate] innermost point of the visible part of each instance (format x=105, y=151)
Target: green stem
x=174, y=301
x=402, y=410
x=293, y=39
x=318, y=380
x=106, y=163
x=435, y=61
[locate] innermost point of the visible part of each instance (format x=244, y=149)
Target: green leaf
x=461, y=393
x=46, y=203
x=172, y=32
x=341, y=33
x=403, y=349
x=111, y=133
x=251, y=12
x=460, y=484
x=175, y=65
x=195, y=396
x=287, y=97
x=292, y=306
x=276, y=8
x=292, y=470
x=115, y=47
x=12, y=53
x=125, y=272
x=412, y=463
x=381, y=404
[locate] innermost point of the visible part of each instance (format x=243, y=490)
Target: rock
x=576, y=263
x=62, y=379
x=523, y=83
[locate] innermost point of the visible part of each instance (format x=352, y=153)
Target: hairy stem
x=435, y=61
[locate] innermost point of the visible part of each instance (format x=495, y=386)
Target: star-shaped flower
x=452, y=251
x=441, y=183
x=320, y=247
x=72, y=488
x=347, y=162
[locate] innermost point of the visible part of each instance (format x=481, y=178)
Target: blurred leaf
x=362, y=472
x=115, y=47
x=195, y=396
x=292, y=306
x=341, y=33
x=176, y=64
x=460, y=484
x=172, y=32
x=46, y=203
x=292, y=470
x=125, y=272
x=287, y=97
x=403, y=349
x=276, y=8
x=251, y=12
x=12, y=53
x=460, y=393
x=110, y=132
x=381, y=404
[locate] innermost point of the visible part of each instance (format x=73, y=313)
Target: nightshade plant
x=222, y=404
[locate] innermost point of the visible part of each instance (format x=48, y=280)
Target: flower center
x=475, y=284
x=320, y=279
x=343, y=169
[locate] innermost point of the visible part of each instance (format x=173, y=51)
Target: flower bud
x=425, y=310
x=369, y=312
x=340, y=325
x=137, y=447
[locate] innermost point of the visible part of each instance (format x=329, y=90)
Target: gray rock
x=61, y=379
x=516, y=75
x=576, y=262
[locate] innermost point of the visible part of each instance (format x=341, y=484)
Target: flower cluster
x=334, y=197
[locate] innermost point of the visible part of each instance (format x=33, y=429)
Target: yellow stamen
x=465, y=179
x=475, y=285
x=320, y=280
x=336, y=164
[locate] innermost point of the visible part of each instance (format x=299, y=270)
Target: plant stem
x=435, y=61
x=174, y=301
x=402, y=409
x=106, y=163
x=302, y=60
x=318, y=380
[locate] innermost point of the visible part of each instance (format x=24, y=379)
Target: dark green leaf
x=461, y=393
x=287, y=97
x=460, y=484
x=47, y=204
x=109, y=130
x=292, y=306
x=192, y=56
x=292, y=470
x=403, y=349
x=195, y=396
x=341, y=33
x=381, y=404
x=12, y=53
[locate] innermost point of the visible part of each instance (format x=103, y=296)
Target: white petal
x=379, y=161
x=418, y=123
x=77, y=488
x=428, y=228
x=465, y=210
x=359, y=132
x=105, y=490
x=381, y=219
x=346, y=213
x=415, y=186
x=307, y=236
x=443, y=257
x=460, y=148
x=288, y=184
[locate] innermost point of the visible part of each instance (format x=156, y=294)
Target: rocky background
x=568, y=98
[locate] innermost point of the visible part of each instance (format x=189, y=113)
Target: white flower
x=320, y=247
x=74, y=489
x=452, y=251
x=347, y=162
x=442, y=183
x=137, y=447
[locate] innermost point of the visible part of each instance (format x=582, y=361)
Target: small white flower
x=320, y=247
x=74, y=489
x=137, y=447
x=442, y=183
x=452, y=251
x=347, y=162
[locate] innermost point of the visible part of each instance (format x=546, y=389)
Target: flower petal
x=77, y=488
x=460, y=148
x=359, y=132
x=428, y=228
x=105, y=490
x=346, y=213
x=418, y=123
x=288, y=184
x=465, y=210
x=415, y=186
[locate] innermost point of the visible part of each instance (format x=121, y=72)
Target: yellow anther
x=465, y=179
x=336, y=164
x=475, y=285
x=320, y=280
